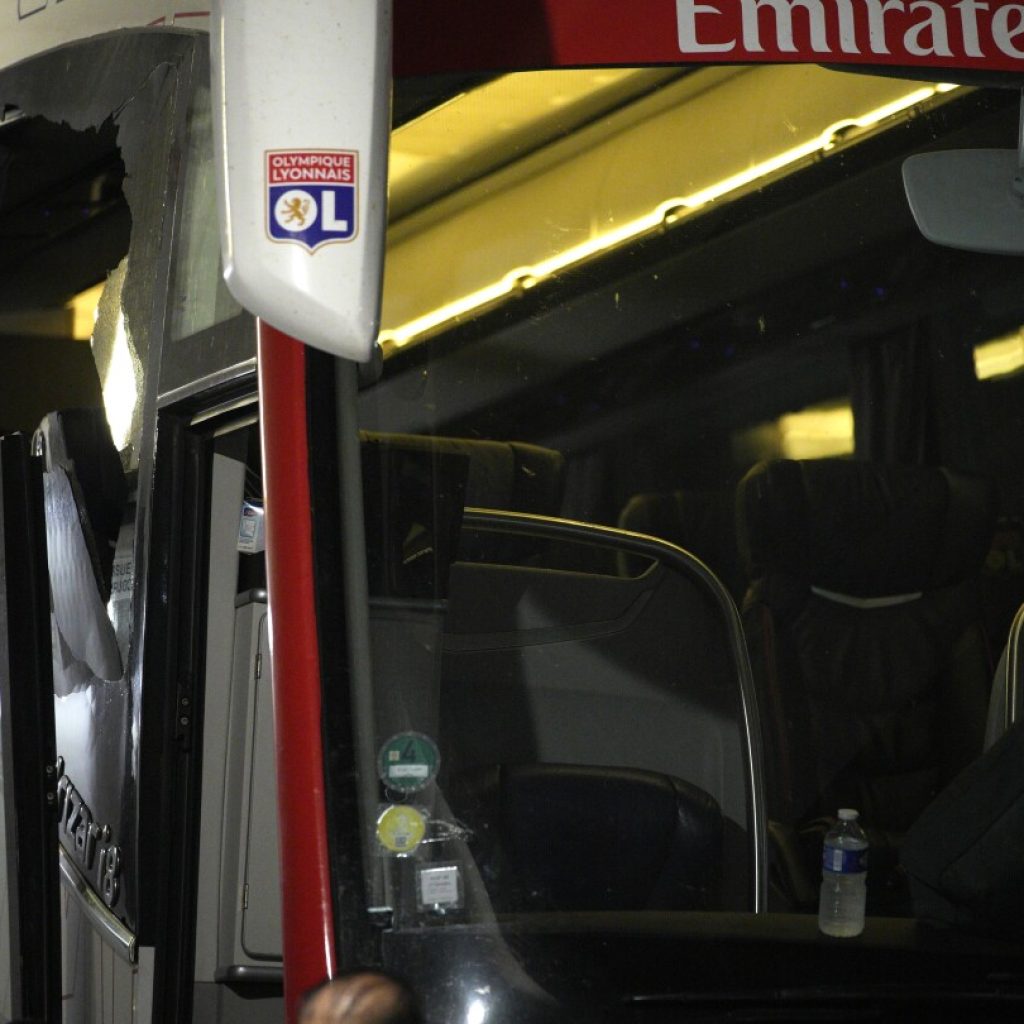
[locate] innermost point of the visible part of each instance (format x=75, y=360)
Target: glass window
x=672, y=315
x=199, y=297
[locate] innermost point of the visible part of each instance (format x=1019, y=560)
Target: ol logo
x=311, y=196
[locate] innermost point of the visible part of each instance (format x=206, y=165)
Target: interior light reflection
x=84, y=309
x=817, y=433
x=999, y=357
x=667, y=213
x=120, y=392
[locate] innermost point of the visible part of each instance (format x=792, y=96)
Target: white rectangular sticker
x=440, y=886
x=251, y=536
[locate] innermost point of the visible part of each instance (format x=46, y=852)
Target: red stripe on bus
x=191, y=14
x=307, y=914
x=434, y=36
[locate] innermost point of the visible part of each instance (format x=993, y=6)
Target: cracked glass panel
x=199, y=297
x=86, y=177
x=118, y=364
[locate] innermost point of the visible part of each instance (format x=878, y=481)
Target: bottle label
x=844, y=862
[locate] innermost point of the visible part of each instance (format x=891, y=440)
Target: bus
x=482, y=486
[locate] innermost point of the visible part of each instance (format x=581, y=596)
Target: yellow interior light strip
x=821, y=144
x=665, y=214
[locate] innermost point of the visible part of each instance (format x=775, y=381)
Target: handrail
x=682, y=561
x=100, y=918
x=1014, y=655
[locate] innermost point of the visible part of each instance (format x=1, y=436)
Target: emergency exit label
x=311, y=196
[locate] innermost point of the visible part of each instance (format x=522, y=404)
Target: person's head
x=361, y=997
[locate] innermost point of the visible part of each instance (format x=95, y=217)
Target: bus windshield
x=694, y=514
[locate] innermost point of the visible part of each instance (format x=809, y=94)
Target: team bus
x=482, y=485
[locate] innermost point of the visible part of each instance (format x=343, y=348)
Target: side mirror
x=301, y=124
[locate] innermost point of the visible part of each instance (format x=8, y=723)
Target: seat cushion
x=569, y=837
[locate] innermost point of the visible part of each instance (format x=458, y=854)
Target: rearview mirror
x=968, y=199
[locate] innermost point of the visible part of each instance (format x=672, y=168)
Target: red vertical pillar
x=307, y=912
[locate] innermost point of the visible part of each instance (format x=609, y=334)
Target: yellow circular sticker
x=401, y=828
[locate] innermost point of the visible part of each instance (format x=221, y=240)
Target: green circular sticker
x=408, y=762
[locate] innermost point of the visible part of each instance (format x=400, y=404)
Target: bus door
x=90, y=141
x=29, y=884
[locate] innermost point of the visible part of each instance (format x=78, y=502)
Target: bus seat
x=414, y=491
x=963, y=854
x=1003, y=576
x=508, y=475
x=864, y=622
x=538, y=662
x=1007, y=684
x=995, y=724
x=700, y=521
x=556, y=837
x=509, y=661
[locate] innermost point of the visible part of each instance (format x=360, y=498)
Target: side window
x=207, y=330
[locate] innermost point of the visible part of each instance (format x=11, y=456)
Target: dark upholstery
x=415, y=488
x=701, y=522
x=554, y=667
x=864, y=529
x=506, y=475
x=877, y=705
x=964, y=854
x=565, y=837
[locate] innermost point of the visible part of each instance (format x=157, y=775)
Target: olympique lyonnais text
x=309, y=167
x=870, y=28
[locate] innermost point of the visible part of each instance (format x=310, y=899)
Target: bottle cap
x=848, y=814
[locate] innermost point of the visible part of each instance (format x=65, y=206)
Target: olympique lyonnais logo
x=311, y=196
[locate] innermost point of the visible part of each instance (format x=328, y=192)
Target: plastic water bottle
x=844, y=872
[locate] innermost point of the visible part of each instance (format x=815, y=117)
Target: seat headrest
x=685, y=517
x=700, y=521
x=507, y=475
x=864, y=529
